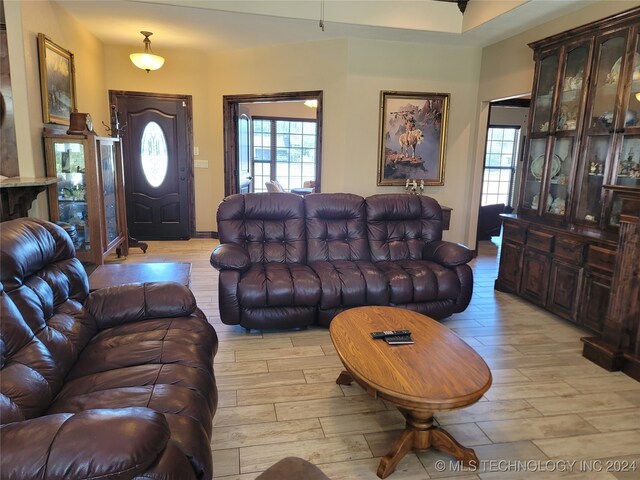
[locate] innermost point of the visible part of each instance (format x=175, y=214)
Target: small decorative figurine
x=413, y=187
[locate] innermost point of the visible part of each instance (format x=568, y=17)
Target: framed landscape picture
x=413, y=133
x=57, y=81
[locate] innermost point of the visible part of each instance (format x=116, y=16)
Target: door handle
x=249, y=178
x=183, y=178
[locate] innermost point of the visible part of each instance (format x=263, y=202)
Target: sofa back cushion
x=400, y=225
x=29, y=374
x=336, y=227
x=44, y=288
x=270, y=226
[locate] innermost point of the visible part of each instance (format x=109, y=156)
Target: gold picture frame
x=413, y=137
x=57, y=81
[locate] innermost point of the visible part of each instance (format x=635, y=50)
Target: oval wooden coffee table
x=438, y=372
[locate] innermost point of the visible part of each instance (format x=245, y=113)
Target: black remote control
x=399, y=340
x=390, y=333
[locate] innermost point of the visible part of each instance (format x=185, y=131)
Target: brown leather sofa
x=288, y=261
x=114, y=384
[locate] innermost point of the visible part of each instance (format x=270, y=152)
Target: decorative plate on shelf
x=615, y=70
x=537, y=166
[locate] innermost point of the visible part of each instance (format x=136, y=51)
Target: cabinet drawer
x=515, y=233
x=541, y=241
x=569, y=249
x=601, y=258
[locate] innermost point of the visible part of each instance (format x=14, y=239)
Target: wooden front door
x=157, y=153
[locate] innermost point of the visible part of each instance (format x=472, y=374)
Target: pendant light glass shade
x=147, y=60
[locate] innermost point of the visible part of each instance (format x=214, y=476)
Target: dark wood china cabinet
x=582, y=159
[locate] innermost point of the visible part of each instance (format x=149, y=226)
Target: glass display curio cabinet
x=581, y=159
x=89, y=195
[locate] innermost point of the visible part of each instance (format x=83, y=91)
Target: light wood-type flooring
x=549, y=414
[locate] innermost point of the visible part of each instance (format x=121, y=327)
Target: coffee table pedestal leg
x=420, y=434
x=345, y=378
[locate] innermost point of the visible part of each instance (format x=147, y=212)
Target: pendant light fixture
x=147, y=60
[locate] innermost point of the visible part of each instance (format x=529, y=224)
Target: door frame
x=188, y=101
x=230, y=113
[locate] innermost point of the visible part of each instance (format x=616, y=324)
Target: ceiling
x=216, y=25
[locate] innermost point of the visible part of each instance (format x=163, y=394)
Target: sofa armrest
x=447, y=254
x=230, y=256
x=140, y=301
x=102, y=443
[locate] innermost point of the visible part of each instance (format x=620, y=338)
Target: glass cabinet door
x=572, y=87
x=543, y=103
x=627, y=170
x=627, y=174
x=567, y=118
x=632, y=116
x=72, y=190
x=559, y=176
x=606, y=79
x=600, y=127
x=592, y=176
x=109, y=186
x=533, y=175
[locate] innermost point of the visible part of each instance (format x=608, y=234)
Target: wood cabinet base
x=602, y=354
x=609, y=358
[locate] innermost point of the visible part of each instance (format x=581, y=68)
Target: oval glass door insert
x=153, y=154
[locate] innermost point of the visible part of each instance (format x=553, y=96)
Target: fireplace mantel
x=18, y=193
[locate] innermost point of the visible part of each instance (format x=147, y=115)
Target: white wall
x=374, y=66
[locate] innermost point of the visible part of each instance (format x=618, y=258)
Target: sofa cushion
x=400, y=225
x=30, y=376
x=336, y=227
x=278, y=284
x=415, y=281
x=114, y=444
x=29, y=247
x=270, y=226
x=349, y=284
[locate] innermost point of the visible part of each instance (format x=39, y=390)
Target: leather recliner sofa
x=114, y=384
x=288, y=261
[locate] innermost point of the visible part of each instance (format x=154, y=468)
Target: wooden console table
x=446, y=217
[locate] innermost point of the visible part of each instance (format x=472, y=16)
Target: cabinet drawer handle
x=620, y=130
